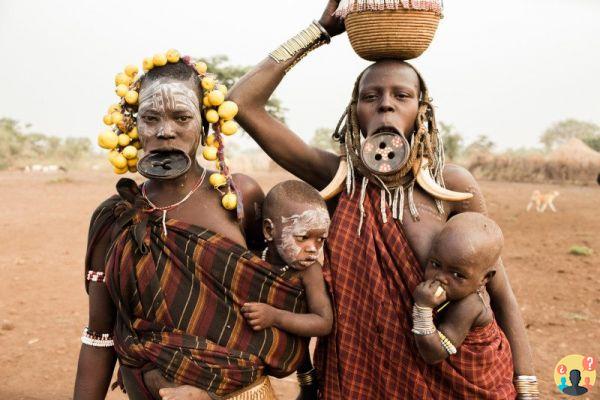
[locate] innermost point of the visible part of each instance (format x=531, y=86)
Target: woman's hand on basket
x=332, y=24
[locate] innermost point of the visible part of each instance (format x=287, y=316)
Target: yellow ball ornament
x=131, y=70
x=148, y=64
x=114, y=108
x=212, y=116
x=229, y=128
x=206, y=102
x=107, y=119
x=131, y=97
x=228, y=110
x=159, y=59
x=129, y=152
x=201, y=67
x=216, y=98
x=208, y=83
x=210, y=139
x=217, y=180
x=117, y=159
x=108, y=140
x=132, y=169
x=222, y=88
x=133, y=133
x=123, y=79
x=172, y=56
x=124, y=140
x=229, y=201
x=210, y=153
x=132, y=162
x=122, y=90
x=120, y=171
x=116, y=117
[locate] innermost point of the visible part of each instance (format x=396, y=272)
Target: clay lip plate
x=385, y=153
x=168, y=164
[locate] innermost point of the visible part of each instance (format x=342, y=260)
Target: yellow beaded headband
x=122, y=139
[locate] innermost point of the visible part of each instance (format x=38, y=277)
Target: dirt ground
x=43, y=305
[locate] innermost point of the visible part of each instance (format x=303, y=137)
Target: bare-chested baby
x=295, y=225
x=463, y=258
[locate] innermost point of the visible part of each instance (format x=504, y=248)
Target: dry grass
x=533, y=168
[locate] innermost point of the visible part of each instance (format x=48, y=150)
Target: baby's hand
x=425, y=294
x=259, y=315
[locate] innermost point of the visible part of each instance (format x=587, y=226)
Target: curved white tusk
x=336, y=185
x=426, y=181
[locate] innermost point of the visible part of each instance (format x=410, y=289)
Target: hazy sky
x=507, y=69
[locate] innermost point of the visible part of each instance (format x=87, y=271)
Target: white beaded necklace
x=264, y=258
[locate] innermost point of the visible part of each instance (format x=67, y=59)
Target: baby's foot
x=185, y=392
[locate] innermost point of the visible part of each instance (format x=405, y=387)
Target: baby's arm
x=454, y=324
x=318, y=320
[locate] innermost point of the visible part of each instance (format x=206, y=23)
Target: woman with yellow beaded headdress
x=168, y=265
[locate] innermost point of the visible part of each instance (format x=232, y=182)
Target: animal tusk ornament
x=336, y=185
x=428, y=184
x=420, y=170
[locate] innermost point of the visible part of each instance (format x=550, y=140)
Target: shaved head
x=470, y=239
x=291, y=197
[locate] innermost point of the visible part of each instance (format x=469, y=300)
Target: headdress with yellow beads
x=122, y=139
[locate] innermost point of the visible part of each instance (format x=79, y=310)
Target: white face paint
x=292, y=249
x=165, y=94
x=167, y=106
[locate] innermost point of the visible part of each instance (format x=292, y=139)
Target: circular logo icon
x=575, y=374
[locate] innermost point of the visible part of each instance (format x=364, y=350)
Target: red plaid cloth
x=371, y=353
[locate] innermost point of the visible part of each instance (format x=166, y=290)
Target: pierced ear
x=268, y=229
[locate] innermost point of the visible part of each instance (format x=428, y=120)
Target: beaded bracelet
x=95, y=276
x=423, y=321
x=307, y=378
x=94, y=339
x=447, y=344
x=307, y=40
x=527, y=387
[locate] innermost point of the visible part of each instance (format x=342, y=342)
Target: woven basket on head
x=400, y=34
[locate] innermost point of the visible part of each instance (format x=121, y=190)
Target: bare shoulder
x=459, y=179
x=252, y=198
x=247, y=186
x=467, y=311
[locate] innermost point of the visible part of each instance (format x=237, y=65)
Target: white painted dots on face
x=295, y=246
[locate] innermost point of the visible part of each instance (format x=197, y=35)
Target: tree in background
x=481, y=145
x=452, y=141
x=562, y=131
x=18, y=148
x=229, y=74
x=322, y=139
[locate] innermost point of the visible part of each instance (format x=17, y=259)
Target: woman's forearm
x=94, y=372
x=511, y=321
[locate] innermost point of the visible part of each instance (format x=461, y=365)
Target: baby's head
x=295, y=223
x=464, y=254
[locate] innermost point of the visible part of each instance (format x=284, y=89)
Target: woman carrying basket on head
x=392, y=194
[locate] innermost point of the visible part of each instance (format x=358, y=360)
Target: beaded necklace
x=170, y=207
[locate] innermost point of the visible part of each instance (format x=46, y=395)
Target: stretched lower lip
x=386, y=129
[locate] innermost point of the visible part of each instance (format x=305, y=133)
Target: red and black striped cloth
x=371, y=353
x=178, y=300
